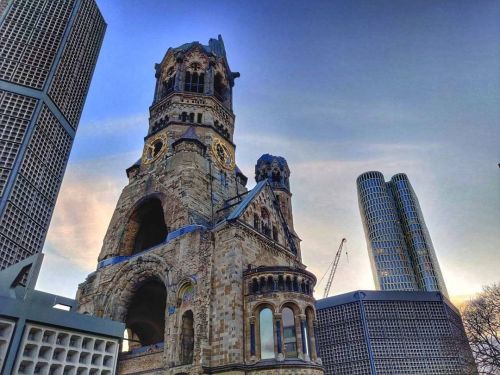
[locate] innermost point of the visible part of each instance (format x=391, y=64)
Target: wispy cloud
x=325, y=206
x=324, y=197
x=114, y=126
x=84, y=207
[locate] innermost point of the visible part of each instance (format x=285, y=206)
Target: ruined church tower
x=206, y=275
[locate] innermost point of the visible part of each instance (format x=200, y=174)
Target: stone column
x=179, y=77
x=300, y=331
x=252, y=338
x=279, y=340
x=157, y=87
x=312, y=340
x=209, y=79
x=275, y=283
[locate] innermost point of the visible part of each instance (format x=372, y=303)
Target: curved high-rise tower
x=425, y=263
x=206, y=275
x=400, y=249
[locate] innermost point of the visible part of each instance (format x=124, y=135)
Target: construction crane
x=333, y=266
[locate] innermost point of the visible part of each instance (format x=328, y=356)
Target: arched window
x=256, y=222
x=266, y=333
x=263, y=285
x=255, y=286
x=303, y=286
x=145, y=319
x=146, y=227
x=308, y=288
x=194, y=82
x=187, y=338
x=281, y=283
x=271, y=286
x=276, y=175
x=186, y=295
x=219, y=87
x=289, y=335
x=275, y=233
x=266, y=223
x=169, y=85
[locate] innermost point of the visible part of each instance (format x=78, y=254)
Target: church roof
x=268, y=159
x=135, y=165
x=215, y=46
x=246, y=201
x=252, y=194
x=190, y=135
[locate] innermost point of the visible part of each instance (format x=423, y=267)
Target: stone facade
x=192, y=260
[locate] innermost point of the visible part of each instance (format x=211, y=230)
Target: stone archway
x=124, y=284
x=187, y=337
x=145, y=318
x=146, y=226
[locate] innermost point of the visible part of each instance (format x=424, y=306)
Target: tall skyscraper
x=399, y=245
x=48, y=51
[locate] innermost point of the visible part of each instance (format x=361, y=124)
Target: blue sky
x=336, y=87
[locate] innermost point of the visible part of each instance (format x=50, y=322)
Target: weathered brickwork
x=192, y=258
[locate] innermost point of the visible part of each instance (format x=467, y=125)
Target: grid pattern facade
x=48, y=50
x=400, y=249
x=426, y=266
x=403, y=337
x=30, y=36
x=6, y=330
x=52, y=351
x=340, y=337
x=72, y=79
x=16, y=111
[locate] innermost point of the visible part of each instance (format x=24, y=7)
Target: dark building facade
x=48, y=51
x=381, y=333
x=399, y=245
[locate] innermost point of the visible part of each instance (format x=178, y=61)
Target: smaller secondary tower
x=399, y=245
x=275, y=170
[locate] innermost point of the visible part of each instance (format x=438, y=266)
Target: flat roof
x=382, y=295
x=20, y=301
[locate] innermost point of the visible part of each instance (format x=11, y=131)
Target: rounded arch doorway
x=145, y=319
x=145, y=228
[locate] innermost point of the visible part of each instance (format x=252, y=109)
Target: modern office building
x=48, y=51
x=399, y=245
x=397, y=333
x=37, y=337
